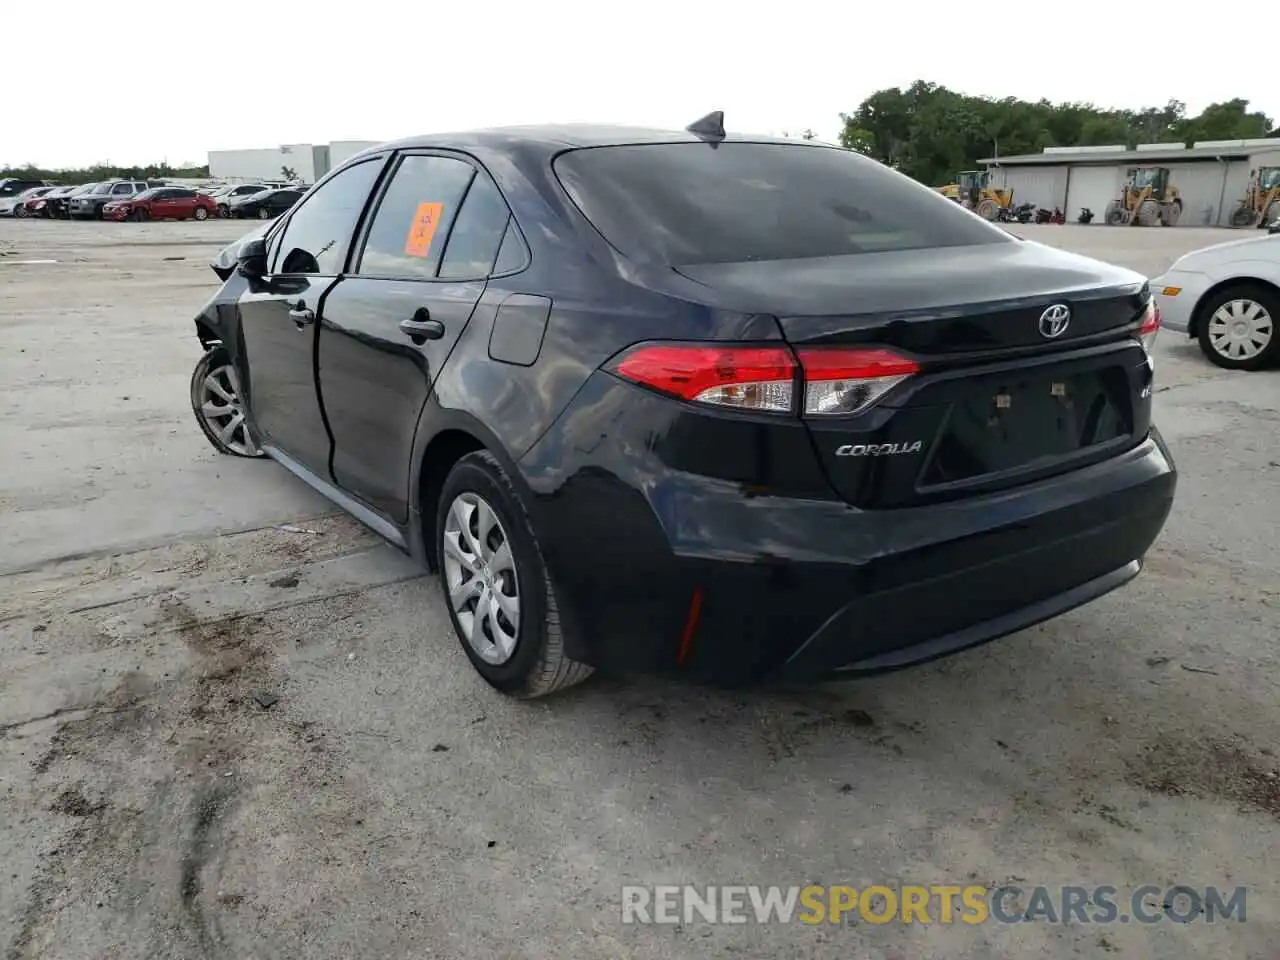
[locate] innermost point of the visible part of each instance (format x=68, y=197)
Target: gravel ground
x=154, y=595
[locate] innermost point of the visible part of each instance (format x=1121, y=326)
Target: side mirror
x=251, y=260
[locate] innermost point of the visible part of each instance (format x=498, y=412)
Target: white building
x=1212, y=177
x=308, y=162
x=340, y=151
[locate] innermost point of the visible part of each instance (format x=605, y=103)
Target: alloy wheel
x=223, y=412
x=1241, y=329
x=481, y=577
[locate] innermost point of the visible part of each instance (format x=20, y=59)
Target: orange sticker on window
x=423, y=229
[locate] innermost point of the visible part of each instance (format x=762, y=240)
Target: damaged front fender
x=218, y=322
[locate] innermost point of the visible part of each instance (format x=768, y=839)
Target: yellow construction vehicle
x=972, y=190
x=1146, y=199
x=1261, y=204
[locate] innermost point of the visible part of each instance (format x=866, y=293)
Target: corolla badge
x=878, y=449
x=1054, y=321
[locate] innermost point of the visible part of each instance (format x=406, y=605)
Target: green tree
x=104, y=171
x=931, y=132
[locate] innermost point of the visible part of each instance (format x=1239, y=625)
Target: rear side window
x=318, y=234
x=477, y=232
x=692, y=203
x=412, y=222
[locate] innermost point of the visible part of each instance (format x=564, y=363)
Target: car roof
x=553, y=138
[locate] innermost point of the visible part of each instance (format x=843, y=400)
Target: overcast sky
x=177, y=81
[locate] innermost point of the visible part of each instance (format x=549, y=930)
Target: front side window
x=409, y=229
x=694, y=203
x=318, y=234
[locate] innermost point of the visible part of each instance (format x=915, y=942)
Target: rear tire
x=1237, y=327
x=988, y=209
x=217, y=401
x=264, y=213
x=200, y=213
x=490, y=568
x=1116, y=215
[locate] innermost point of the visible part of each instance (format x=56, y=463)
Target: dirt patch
x=73, y=803
x=1208, y=768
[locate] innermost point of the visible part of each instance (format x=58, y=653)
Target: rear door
x=278, y=314
x=182, y=203
x=390, y=326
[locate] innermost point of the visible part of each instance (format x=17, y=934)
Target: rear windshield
x=691, y=203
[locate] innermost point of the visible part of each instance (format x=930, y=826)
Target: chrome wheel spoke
x=232, y=425
x=482, y=613
x=485, y=523
x=501, y=561
x=510, y=606
x=214, y=386
x=465, y=592
x=214, y=410
x=453, y=549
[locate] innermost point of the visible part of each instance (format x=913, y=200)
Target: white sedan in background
x=1227, y=297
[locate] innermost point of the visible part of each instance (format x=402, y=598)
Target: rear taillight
x=1150, y=326
x=815, y=381
x=748, y=378
x=840, y=381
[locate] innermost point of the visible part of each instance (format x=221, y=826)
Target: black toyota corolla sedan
x=733, y=408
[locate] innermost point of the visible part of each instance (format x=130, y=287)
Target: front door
x=278, y=315
x=388, y=328
x=161, y=205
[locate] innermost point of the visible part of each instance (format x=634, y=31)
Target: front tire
x=200, y=213
x=1237, y=328
x=217, y=401
x=501, y=600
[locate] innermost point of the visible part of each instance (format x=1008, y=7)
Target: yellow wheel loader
x=973, y=191
x=1261, y=204
x=1146, y=200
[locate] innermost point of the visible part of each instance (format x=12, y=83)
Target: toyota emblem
x=1054, y=321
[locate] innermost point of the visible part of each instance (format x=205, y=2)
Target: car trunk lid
x=1005, y=392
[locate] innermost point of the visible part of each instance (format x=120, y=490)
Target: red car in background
x=163, y=203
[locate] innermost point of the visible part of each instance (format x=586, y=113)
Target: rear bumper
x=678, y=573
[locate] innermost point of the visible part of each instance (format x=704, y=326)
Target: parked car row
x=137, y=200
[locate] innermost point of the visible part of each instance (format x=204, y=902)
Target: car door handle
x=299, y=313
x=421, y=328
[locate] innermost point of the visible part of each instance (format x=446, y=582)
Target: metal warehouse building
x=309, y=161
x=1212, y=177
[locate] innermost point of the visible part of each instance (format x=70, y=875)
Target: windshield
x=100, y=188
x=694, y=203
